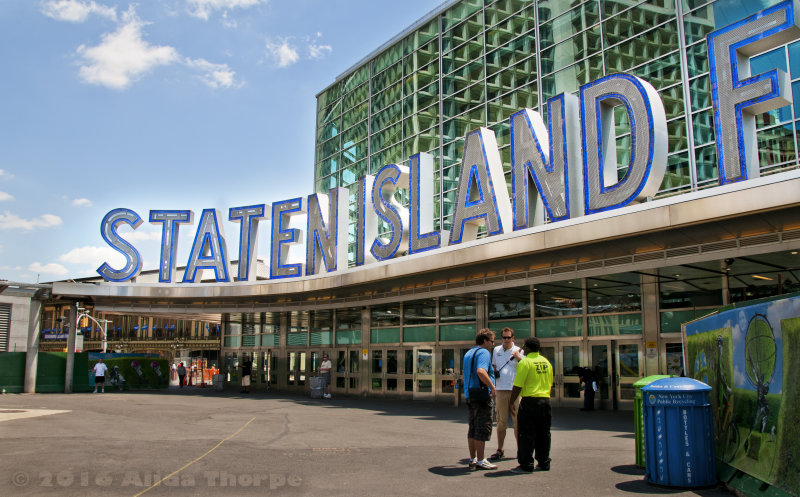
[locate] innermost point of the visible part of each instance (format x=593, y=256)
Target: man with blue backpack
x=479, y=392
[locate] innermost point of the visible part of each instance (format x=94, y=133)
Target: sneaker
x=473, y=464
x=486, y=465
x=95, y=391
x=103, y=391
x=521, y=470
x=544, y=466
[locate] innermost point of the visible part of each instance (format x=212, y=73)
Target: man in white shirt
x=325, y=372
x=504, y=360
x=100, y=376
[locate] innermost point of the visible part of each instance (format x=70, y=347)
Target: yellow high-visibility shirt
x=534, y=376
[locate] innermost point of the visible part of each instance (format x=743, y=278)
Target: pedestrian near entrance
x=247, y=371
x=181, y=374
x=504, y=361
x=325, y=371
x=533, y=383
x=479, y=392
x=589, y=386
x=100, y=376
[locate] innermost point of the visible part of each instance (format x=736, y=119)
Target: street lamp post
x=104, y=325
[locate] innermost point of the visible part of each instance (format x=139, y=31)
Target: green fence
x=50, y=372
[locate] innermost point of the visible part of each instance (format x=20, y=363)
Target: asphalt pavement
x=197, y=442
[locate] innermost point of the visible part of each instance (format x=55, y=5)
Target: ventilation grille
x=5, y=326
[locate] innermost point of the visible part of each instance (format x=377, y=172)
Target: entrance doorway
x=564, y=356
x=386, y=377
x=424, y=376
x=345, y=376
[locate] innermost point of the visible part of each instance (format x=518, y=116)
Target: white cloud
x=5, y=197
x=203, y=8
x=5, y=174
x=12, y=221
x=282, y=52
x=82, y=202
x=319, y=51
x=215, y=75
x=76, y=11
x=93, y=256
x=52, y=268
x=123, y=56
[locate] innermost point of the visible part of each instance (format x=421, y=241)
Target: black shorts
x=480, y=420
x=326, y=377
x=99, y=379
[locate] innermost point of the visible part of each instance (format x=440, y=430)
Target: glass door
x=377, y=360
x=564, y=356
x=599, y=362
x=424, y=375
x=628, y=359
x=345, y=377
x=672, y=357
x=447, y=371
x=297, y=362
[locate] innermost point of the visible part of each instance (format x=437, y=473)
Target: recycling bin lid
x=650, y=379
x=676, y=385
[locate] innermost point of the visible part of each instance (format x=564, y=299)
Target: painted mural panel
x=749, y=356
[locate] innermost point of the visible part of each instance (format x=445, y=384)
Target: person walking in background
x=181, y=374
x=479, y=391
x=100, y=376
x=325, y=371
x=533, y=382
x=589, y=386
x=247, y=371
x=504, y=361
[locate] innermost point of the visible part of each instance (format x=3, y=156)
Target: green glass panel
x=706, y=160
x=568, y=80
x=428, y=54
x=703, y=127
x=355, y=134
x=457, y=332
x=671, y=320
x=355, y=97
x=549, y=9
x=386, y=117
x=459, y=126
x=422, y=121
x=427, y=99
x=424, y=78
x=421, y=36
x=645, y=48
x=501, y=10
x=390, y=155
x=233, y=341
x=572, y=23
x=697, y=59
x=459, y=12
x=464, y=54
x=567, y=52
x=636, y=21
x=467, y=30
x=348, y=337
x=776, y=146
x=698, y=24
x=420, y=334
x=330, y=95
x=387, y=58
x=673, y=102
x=559, y=327
x=677, y=174
x=522, y=329
x=356, y=78
x=501, y=109
x=354, y=153
x=297, y=339
x=386, y=137
x=354, y=173
x=384, y=335
x=321, y=338
x=391, y=95
x=613, y=7
x=677, y=134
x=617, y=324
x=329, y=130
x=270, y=340
x=422, y=142
x=510, y=53
x=355, y=115
x=700, y=93
x=464, y=100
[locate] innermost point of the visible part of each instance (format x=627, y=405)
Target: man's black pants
x=534, y=431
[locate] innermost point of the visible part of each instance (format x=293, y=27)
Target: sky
x=162, y=104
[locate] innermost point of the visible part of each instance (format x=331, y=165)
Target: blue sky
x=162, y=104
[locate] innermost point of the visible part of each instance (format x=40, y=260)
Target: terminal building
x=607, y=288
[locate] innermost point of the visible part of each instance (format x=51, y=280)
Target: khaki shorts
x=245, y=381
x=501, y=409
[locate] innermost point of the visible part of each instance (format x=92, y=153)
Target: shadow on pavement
x=642, y=487
x=628, y=469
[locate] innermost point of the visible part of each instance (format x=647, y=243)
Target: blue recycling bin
x=679, y=433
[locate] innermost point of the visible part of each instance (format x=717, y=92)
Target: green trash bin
x=638, y=414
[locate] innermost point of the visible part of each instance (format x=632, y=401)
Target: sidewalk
x=269, y=444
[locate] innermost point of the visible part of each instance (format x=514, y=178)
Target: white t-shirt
x=509, y=371
x=325, y=366
x=100, y=369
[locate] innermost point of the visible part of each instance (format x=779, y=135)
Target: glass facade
x=478, y=61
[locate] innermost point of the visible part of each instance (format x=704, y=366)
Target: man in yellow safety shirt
x=533, y=383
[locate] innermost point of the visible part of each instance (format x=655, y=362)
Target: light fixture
x=759, y=277
x=793, y=252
